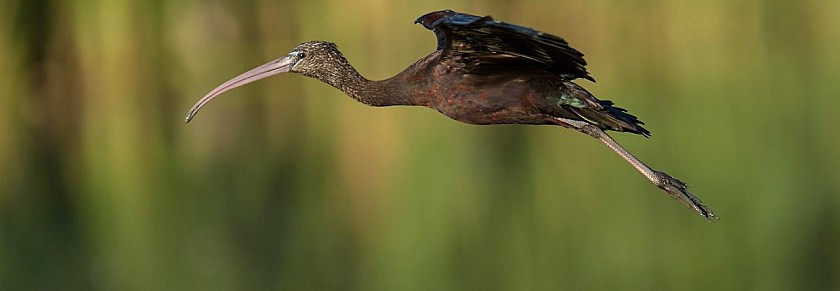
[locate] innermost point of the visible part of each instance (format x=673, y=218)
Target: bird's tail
x=610, y=117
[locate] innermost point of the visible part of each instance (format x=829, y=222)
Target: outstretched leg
x=676, y=188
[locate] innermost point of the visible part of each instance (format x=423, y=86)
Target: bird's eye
x=301, y=55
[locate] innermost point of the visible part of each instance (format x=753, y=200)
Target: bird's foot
x=679, y=191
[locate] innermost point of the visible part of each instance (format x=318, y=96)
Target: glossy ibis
x=483, y=72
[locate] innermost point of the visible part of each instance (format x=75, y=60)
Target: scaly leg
x=676, y=188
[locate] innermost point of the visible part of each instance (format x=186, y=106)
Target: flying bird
x=483, y=71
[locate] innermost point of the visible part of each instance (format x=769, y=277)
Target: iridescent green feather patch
x=570, y=101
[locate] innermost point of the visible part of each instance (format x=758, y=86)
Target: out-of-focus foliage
x=288, y=184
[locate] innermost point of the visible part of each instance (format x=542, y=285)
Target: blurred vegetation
x=288, y=184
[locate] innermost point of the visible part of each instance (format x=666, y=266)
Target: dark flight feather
x=493, y=48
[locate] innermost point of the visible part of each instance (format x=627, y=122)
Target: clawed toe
x=679, y=191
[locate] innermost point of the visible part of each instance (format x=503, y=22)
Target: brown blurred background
x=289, y=184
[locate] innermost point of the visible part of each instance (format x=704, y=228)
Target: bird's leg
x=676, y=188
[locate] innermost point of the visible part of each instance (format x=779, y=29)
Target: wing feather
x=490, y=47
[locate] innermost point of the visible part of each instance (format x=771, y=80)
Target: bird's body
x=483, y=72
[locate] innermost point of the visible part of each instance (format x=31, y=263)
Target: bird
x=483, y=71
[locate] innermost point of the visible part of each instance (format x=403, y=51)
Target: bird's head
x=317, y=59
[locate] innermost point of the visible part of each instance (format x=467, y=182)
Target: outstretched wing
x=490, y=47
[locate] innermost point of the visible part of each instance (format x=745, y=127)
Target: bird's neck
x=386, y=92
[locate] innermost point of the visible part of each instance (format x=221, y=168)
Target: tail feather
x=612, y=118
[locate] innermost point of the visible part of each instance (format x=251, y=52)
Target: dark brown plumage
x=483, y=72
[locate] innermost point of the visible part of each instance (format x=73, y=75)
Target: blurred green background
x=289, y=184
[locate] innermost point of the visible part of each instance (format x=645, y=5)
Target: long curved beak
x=278, y=66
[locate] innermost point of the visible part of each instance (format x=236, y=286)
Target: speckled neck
x=343, y=76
